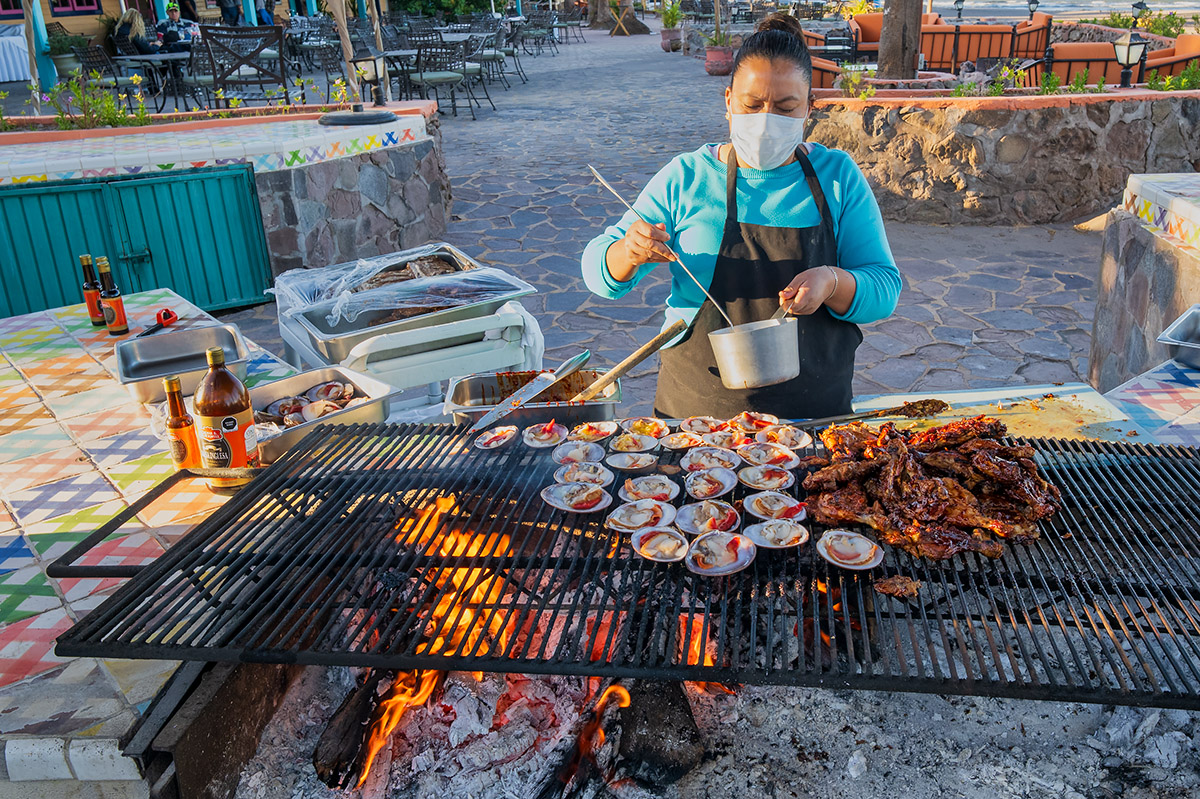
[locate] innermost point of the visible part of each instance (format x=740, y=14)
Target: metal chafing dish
x=377, y=409
x=1183, y=338
x=142, y=363
x=469, y=398
x=334, y=342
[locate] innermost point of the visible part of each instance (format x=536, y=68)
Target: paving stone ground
x=981, y=306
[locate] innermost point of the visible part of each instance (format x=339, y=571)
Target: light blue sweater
x=688, y=196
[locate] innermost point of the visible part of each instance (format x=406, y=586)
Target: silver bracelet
x=835, y=280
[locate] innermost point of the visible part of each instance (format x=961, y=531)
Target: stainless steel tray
x=470, y=397
x=142, y=363
x=335, y=342
x=1183, y=338
x=376, y=410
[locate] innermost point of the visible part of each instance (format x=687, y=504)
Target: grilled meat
x=936, y=493
x=898, y=586
x=956, y=433
x=813, y=462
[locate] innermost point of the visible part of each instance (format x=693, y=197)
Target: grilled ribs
x=936, y=493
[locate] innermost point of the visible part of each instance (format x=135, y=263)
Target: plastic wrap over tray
x=422, y=296
x=303, y=288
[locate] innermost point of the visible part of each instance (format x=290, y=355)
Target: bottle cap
x=85, y=259
x=102, y=263
x=172, y=384
x=216, y=356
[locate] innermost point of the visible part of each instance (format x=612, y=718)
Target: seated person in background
x=174, y=33
x=133, y=27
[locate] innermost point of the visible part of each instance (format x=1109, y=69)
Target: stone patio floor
x=981, y=306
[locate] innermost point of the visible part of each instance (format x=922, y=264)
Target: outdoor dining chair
x=492, y=58
x=513, y=44
x=441, y=66
x=200, y=79
x=100, y=70
x=476, y=72
x=248, y=63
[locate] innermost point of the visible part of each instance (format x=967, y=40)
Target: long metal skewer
x=674, y=255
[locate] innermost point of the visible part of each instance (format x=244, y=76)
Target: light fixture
x=1128, y=50
x=369, y=68
x=958, y=5
x=1139, y=8
x=1033, y=5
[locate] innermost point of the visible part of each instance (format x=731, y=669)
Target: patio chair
x=442, y=66
x=512, y=49
x=123, y=46
x=492, y=59
x=540, y=33
x=1174, y=60
x=330, y=62
x=476, y=72
x=1032, y=36
x=568, y=24
x=200, y=79
x=865, y=30
x=1068, y=59
x=93, y=59
x=56, y=29
x=247, y=62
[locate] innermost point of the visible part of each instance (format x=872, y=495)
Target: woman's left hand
x=808, y=290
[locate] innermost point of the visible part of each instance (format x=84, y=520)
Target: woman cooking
x=793, y=223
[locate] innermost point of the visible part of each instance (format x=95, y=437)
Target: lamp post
x=958, y=4
x=1139, y=8
x=1033, y=6
x=1128, y=51
x=370, y=71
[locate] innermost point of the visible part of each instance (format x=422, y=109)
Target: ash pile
x=537, y=737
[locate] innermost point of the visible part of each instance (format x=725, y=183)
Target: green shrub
x=1169, y=24
x=1050, y=83
x=671, y=15
x=1188, y=80
x=61, y=45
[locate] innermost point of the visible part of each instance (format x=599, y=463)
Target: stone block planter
x=1008, y=160
x=672, y=39
x=718, y=60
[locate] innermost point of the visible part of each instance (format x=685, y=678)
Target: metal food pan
x=142, y=363
x=469, y=398
x=335, y=342
x=1183, y=338
x=376, y=410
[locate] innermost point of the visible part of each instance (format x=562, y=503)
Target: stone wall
x=1009, y=160
x=1082, y=32
x=347, y=208
x=1145, y=284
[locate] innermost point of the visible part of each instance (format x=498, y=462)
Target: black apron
x=754, y=263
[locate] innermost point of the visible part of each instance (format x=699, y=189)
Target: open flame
x=696, y=651
x=455, y=622
x=592, y=737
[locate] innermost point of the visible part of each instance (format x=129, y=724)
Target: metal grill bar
x=334, y=556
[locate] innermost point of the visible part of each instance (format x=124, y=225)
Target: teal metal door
x=198, y=233
x=43, y=229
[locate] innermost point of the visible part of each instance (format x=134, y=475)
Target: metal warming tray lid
x=335, y=341
x=469, y=398
x=1183, y=338
x=378, y=407
x=142, y=363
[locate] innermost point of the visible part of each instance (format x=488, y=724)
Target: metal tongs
x=530, y=390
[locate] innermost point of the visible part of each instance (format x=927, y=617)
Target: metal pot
x=757, y=354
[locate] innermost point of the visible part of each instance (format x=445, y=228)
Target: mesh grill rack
x=327, y=558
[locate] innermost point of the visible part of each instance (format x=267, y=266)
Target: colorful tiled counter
x=1149, y=275
x=1165, y=401
x=75, y=448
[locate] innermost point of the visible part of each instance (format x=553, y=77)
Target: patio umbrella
x=338, y=11
x=31, y=45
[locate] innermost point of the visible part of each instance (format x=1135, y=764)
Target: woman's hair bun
x=778, y=21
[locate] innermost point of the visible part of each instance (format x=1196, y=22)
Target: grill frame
x=1081, y=615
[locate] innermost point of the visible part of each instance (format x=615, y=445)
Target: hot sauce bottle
x=110, y=300
x=181, y=429
x=226, y=423
x=91, y=292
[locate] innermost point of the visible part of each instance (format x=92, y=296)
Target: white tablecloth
x=14, y=59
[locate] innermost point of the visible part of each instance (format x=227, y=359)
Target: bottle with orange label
x=91, y=292
x=226, y=423
x=110, y=300
x=181, y=429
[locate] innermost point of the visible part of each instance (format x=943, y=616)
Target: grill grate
x=304, y=566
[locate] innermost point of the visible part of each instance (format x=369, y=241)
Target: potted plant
x=718, y=55
x=61, y=53
x=671, y=38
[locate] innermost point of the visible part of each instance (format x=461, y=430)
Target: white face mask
x=764, y=141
